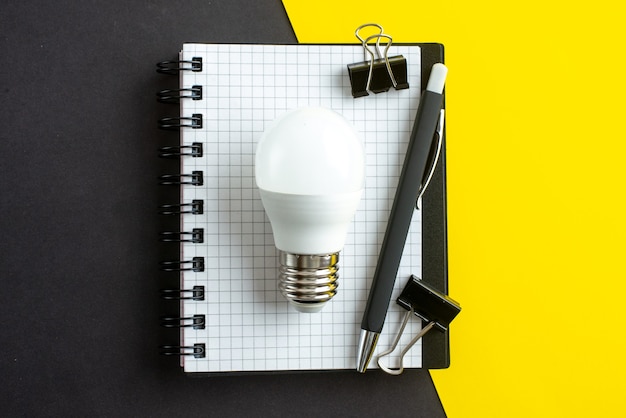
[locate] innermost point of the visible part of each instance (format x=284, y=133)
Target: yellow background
x=536, y=160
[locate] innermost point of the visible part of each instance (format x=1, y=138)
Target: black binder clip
x=377, y=75
x=434, y=308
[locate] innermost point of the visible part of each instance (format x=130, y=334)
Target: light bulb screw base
x=308, y=280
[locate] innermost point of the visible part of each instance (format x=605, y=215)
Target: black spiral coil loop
x=174, y=96
x=195, y=321
x=193, y=150
x=196, y=350
x=196, y=264
x=195, y=236
x=196, y=207
x=176, y=66
x=175, y=123
x=197, y=293
x=194, y=179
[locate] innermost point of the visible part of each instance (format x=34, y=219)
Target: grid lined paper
x=249, y=325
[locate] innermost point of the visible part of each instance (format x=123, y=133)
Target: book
x=232, y=315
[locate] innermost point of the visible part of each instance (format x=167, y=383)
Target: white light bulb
x=310, y=169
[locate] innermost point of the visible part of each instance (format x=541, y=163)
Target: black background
x=79, y=305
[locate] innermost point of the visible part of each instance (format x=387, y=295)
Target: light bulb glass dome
x=310, y=170
x=308, y=150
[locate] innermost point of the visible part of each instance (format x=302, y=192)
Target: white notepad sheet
x=249, y=325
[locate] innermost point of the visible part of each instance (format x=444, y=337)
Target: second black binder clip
x=435, y=309
x=377, y=75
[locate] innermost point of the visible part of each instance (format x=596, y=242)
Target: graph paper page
x=249, y=325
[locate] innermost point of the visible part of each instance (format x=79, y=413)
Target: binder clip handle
x=385, y=57
x=406, y=349
x=435, y=309
x=364, y=42
x=379, y=72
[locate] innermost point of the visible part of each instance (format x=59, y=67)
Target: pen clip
x=433, y=158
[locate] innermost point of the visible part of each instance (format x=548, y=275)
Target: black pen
x=409, y=187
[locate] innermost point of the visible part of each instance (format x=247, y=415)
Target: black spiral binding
x=194, y=207
x=197, y=350
x=193, y=150
x=175, y=123
x=195, y=179
x=175, y=95
x=197, y=293
x=195, y=322
x=174, y=67
x=196, y=236
x=196, y=265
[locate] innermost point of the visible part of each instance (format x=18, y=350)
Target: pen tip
x=367, y=344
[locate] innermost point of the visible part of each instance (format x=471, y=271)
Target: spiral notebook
x=232, y=315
